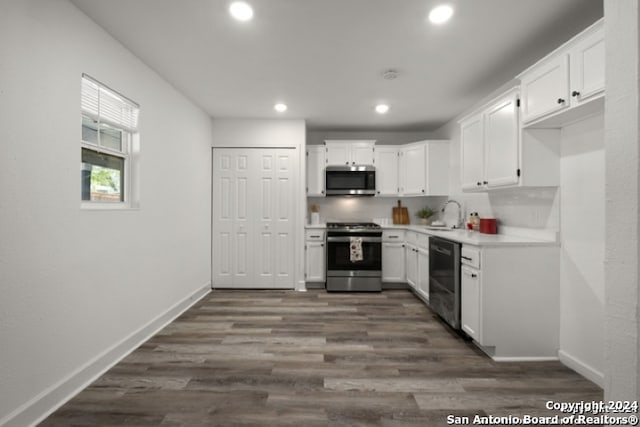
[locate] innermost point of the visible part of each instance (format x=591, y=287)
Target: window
x=109, y=128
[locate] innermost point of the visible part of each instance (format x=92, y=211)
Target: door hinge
x=518, y=172
x=518, y=102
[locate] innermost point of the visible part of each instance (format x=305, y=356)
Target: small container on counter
x=488, y=226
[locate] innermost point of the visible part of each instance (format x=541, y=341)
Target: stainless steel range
x=354, y=257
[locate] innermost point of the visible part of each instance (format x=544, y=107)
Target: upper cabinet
x=350, y=152
x=315, y=170
x=490, y=145
x=494, y=153
x=568, y=79
x=424, y=168
x=386, y=161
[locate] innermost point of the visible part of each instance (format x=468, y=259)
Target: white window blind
x=108, y=106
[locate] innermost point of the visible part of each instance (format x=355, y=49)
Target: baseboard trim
x=45, y=403
x=582, y=368
x=524, y=359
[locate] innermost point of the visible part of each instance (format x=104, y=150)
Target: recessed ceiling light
x=382, y=108
x=241, y=11
x=280, y=108
x=441, y=14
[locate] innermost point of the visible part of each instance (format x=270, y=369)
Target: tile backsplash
x=536, y=208
x=344, y=208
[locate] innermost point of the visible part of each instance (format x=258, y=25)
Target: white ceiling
x=325, y=58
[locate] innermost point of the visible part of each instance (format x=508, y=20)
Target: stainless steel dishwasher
x=444, y=279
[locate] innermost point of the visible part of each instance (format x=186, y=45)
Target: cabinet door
x=315, y=170
x=587, y=66
x=411, y=262
x=393, y=262
x=501, y=142
x=362, y=153
x=472, y=153
x=471, y=303
x=338, y=154
x=386, y=158
x=413, y=170
x=545, y=89
x=423, y=272
x=315, y=262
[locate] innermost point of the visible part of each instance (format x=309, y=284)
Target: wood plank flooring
x=271, y=358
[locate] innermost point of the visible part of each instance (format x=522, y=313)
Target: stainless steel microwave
x=350, y=180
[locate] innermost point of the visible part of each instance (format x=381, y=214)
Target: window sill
x=96, y=206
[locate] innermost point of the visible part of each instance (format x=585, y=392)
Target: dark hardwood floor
x=270, y=358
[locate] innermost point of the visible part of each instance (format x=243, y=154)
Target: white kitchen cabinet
x=424, y=168
x=315, y=257
x=504, y=290
x=587, y=63
x=545, y=89
x=471, y=303
x=393, y=256
x=472, y=153
x=315, y=170
x=349, y=152
x=393, y=262
x=386, y=162
x=501, y=142
x=423, y=271
x=566, y=79
x=411, y=258
x=496, y=153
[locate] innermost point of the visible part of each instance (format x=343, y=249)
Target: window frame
x=129, y=146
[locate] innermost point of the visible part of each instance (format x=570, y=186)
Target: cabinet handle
x=346, y=163
x=423, y=191
x=394, y=237
x=575, y=93
x=474, y=275
x=315, y=237
x=485, y=182
x=322, y=191
x=465, y=257
x=378, y=191
x=561, y=101
x=353, y=163
x=478, y=183
x=322, y=245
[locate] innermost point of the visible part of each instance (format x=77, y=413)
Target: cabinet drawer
x=470, y=256
x=392, y=235
x=423, y=241
x=314, y=235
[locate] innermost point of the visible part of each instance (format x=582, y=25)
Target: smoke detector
x=390, y=74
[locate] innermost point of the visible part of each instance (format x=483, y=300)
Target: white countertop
x=469, y=237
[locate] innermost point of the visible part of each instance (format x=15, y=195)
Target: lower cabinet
x=393, y=256
x=314, y=256
x=471, y=302
x=510, y=300
x=417, y=263
x=423, y=272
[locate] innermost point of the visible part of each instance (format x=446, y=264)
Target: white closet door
x=283, y=206
x=253, y=245
x=223, y=186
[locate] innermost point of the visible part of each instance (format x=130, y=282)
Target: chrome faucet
x=460, y=223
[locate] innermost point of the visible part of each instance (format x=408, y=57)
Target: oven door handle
x=347, y=239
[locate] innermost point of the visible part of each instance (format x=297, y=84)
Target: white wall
x=622, y=135
x=262, y=133
x=81, y=288
x=582, y=177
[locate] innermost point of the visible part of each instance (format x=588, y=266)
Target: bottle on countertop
x=476, y=221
